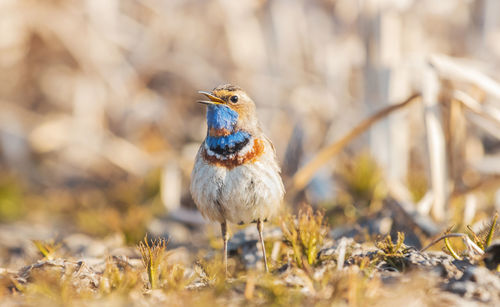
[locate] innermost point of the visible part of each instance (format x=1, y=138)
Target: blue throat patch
x=221, y=117
x=229, y=144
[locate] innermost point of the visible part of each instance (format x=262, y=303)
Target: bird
x=236, y=176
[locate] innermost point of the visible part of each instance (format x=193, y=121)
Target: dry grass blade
x=471, y=246
x=341, y=254
x=472, y=104
x=475, y=237
x=304, y=175
x=449, y=235
x=448, y=68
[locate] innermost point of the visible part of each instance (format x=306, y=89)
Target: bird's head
x=229, y=110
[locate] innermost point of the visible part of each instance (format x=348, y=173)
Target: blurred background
x=99, y=125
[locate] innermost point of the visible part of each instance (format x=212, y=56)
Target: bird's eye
x=234, y=99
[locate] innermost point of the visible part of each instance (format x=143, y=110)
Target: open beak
x=213, y=99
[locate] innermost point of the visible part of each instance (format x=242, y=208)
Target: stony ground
x=82, y=271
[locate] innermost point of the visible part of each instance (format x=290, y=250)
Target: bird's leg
x=260, y=228
x=225, y=237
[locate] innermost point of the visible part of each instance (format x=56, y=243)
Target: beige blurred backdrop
x=98, y=112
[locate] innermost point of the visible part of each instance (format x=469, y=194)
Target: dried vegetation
x=384, y=114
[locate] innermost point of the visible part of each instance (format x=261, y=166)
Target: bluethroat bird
x=236, y=177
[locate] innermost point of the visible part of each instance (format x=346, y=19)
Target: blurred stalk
x=304, y=175
x=435, y=142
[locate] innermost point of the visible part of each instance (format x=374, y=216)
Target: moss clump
x=305, y=234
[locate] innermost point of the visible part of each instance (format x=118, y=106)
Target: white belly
x=242, y=194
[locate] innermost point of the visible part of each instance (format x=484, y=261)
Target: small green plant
x=49, y=249
x=391, y=252
x=389, y=248
x=481, y=240
x=174, y=277
x=153, y=255
x=486, y=234
x=305, y=234
x=118, y=276
x=361, y=178
x=211, y=273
